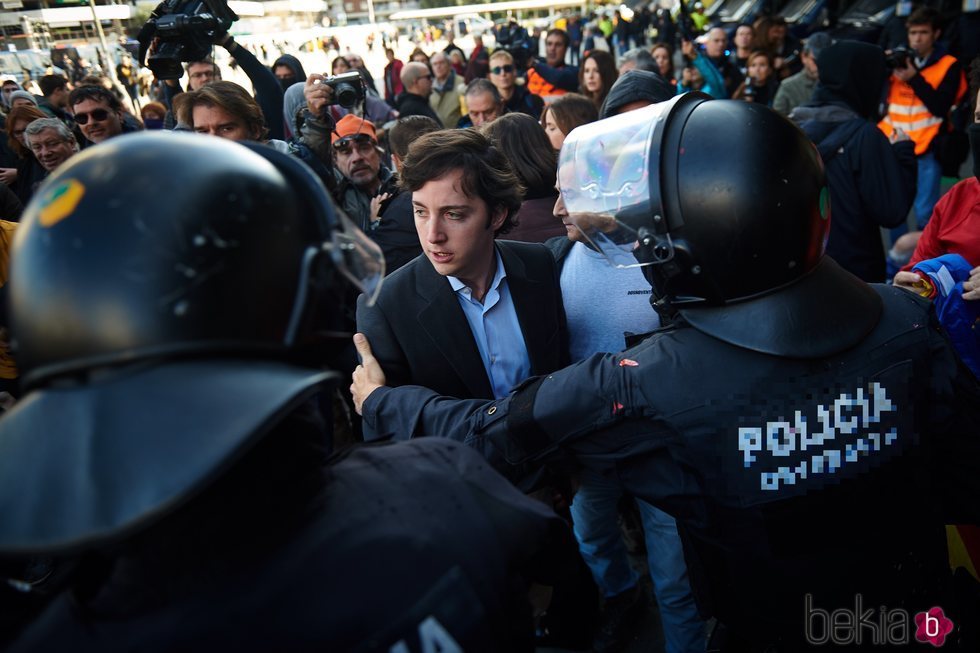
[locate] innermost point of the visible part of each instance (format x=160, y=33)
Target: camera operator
x=924, y=85
x=268, y=91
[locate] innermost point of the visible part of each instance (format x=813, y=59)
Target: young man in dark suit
x=474, y=315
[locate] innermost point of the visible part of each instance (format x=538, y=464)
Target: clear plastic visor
x=357, y=257
x=605, y=171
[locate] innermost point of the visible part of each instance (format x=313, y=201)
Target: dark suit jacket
x=420, y=336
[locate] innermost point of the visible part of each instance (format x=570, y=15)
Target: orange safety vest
x=908, y=113
x=537, y=85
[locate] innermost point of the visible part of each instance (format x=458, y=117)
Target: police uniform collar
x=823, y=313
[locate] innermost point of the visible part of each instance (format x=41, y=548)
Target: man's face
x=285, y=75
x=8, y=88
x=59, y=97
x=355, y=60
x=584, y=223
x=96, y=120
x=50, y=149
x=743, y=37
x=452, y=228
x=922, y=38
x=809, y=64
x=423, y=85
x=200, y=74
x=358, y=159
x=440, y=66
x=716, y=43
x=574, y=233
x=503, y=75
x=215, y=121
x=777, y=33
x=482, y=108
x=554, y=48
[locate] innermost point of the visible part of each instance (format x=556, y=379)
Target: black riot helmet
x=725, y=205
x=174, y=244
x=161, y=289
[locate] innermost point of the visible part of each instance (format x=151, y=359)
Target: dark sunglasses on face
x=499, y=70
x=98, y=115
x=346, y=145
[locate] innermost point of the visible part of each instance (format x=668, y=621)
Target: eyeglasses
x=362, y=142
x=98, y=115
x=425, y=76
x=500, y=70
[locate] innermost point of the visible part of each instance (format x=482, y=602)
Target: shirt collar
x=501, y=274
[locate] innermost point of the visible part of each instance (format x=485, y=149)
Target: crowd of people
x=470, y=173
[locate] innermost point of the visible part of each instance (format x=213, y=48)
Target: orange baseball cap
x=351, y=125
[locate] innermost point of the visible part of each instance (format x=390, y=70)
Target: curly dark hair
x=486, y=172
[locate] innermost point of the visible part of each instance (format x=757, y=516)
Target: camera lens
x=346, y=95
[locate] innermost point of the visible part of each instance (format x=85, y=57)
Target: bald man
x=414, y=101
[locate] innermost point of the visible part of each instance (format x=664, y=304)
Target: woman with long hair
x=565, y=114
x=760, y=84
x=520, y=138
x=596, y=76
x=663, y=54
x=30, y=172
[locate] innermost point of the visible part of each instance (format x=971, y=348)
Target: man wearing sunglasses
x=361, y=175
x=503, y=75
x=97, y=112
x=414, y=101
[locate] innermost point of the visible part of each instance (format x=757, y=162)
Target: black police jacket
x=411, y=547
x=828, y=478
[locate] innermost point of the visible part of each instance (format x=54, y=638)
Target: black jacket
x=787, y=476
x=410, y=104
x=420, y=336
x=872, y=182
x=452, y=544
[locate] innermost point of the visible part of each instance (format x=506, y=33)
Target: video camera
x=185, y=31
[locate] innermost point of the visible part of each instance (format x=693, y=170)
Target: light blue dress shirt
x=497, y=331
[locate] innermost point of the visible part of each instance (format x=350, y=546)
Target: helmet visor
x=358, y=258
x=607, y=172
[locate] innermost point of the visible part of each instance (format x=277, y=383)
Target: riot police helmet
x=725, y=206
x=160, y=289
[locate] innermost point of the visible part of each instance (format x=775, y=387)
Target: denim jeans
x=601, y=544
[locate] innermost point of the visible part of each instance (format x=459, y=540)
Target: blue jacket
x=959, y=317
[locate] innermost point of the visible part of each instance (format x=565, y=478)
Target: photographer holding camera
x=186, y=32
x=925, y=84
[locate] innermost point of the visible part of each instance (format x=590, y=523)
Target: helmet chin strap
x=657, y=275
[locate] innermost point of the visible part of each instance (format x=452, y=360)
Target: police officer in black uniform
x=165, y=483
x=811, y=433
